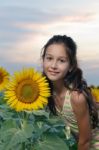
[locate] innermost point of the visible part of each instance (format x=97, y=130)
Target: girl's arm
x=81, y=111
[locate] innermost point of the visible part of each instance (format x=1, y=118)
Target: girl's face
x=56, y=63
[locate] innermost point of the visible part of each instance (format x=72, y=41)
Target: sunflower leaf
x=51, y=142
x=41, y=113
x=18, y=136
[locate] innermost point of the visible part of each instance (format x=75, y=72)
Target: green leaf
x=51, y=142
x=21, y=135
x=16, y=135
x=2, y=97
x=5, y=112
x=7, y=129
x=41, y=113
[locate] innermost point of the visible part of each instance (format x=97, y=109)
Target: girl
x=70, y=95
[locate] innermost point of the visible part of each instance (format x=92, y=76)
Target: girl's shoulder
x=78, y=97
x=78, y=101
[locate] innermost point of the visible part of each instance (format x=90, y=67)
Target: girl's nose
x=54, y=64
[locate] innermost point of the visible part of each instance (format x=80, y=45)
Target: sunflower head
x=4, y=78
x=27, y=90
x=95, y=92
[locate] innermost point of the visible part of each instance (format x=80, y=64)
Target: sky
x=26, y=26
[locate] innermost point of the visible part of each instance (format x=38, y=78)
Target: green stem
x=20, y=120
x=23, y=146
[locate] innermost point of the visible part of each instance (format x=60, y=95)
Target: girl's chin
x=53, y=78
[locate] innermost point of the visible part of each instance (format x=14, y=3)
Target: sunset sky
x=26, y=25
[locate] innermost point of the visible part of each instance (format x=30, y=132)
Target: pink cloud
x=79, y=17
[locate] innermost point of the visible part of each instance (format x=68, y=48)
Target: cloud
x=18, y=18
x=44, y=15
x=90, y=65
x=25, y=26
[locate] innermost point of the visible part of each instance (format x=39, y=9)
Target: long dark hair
x=74, y=78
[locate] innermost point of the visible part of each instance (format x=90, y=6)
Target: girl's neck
x=58, y=87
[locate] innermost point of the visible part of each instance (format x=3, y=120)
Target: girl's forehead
x=56, y=49
x=56, y=45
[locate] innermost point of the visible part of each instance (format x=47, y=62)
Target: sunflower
x=4, y=78
x=27, y=90
x=95, y=92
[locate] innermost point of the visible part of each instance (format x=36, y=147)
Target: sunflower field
x=25, y=122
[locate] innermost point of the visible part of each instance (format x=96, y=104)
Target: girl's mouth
x=53, y=72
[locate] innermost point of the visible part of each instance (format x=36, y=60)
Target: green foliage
x=51, y=142
x=34, y=130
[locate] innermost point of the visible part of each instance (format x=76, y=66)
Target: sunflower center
x=27, y=91
x=1, y=77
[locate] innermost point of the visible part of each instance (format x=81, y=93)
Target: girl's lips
x=53, y=72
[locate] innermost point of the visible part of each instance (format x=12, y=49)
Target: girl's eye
x=61, y=60
x=49, y=58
